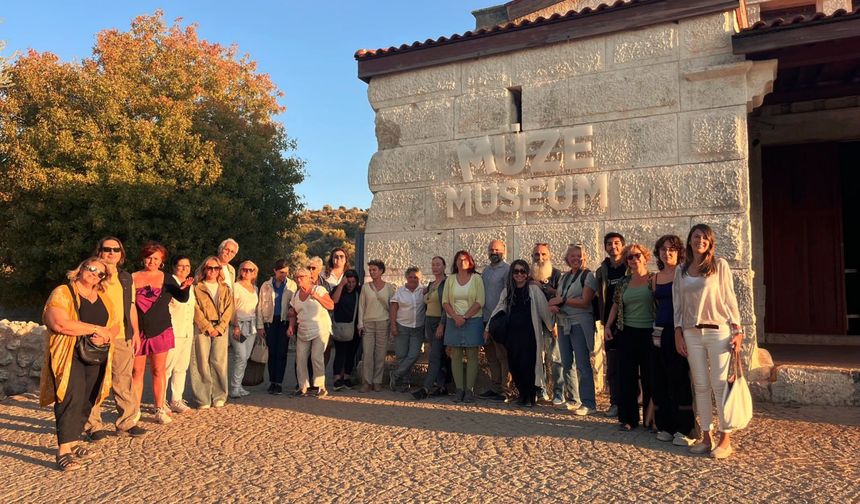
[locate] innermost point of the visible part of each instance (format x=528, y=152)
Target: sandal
x=625, y=427
x=82, y=453
x=66, y=462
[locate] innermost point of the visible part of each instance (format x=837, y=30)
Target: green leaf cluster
x=159, y=135
x=317, y=232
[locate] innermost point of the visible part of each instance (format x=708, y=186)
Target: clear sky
x=306, y=46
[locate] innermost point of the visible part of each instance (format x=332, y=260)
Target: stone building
x=559, y=121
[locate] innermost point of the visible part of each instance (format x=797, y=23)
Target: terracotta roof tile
x=818, y=17
x=365, y=54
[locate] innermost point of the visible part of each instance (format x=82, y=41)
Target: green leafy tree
x=317, y=232
x=158, y=135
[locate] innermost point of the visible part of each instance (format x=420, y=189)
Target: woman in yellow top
x=463, y=300
x=76, y=310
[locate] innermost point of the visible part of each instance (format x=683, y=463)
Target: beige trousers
x=314, y=348
x=374, y=344
x=127, y=405
x=209, y=369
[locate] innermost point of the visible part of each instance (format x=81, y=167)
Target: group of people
x=537, y=327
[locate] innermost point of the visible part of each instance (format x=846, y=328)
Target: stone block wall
x=22, y=353
x=661, y=118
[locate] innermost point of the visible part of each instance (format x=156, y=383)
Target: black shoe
x=420, y=394
x=492, y=396
x=135, y=431
x=313, y=389
x=300, y=393
x=439, y=391
x=278, y=390
x=96, y=436
x=271, y=388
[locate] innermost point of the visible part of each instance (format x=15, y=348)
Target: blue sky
x=307, y=47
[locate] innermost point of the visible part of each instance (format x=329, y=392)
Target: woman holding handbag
x=344, y=332
x=707, y=331
x=77, y=315
x=527, y=312
x=243, y=333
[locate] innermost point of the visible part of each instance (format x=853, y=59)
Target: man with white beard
x=547, y=278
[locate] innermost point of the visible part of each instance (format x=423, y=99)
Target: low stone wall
x=22, y=352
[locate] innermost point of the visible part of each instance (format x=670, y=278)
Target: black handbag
x=88, y=352
x=498, y=326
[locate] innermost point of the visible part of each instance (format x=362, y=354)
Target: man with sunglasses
x=610, y=272
x=120, y=290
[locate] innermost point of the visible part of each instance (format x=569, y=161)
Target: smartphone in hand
x=242, y=338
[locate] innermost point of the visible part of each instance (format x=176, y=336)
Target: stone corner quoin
x=642, y=131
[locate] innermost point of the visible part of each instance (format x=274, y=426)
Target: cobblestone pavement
x=381, y=447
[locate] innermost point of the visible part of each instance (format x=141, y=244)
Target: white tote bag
x=737, y=400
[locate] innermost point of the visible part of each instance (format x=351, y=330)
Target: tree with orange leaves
x=158, y=135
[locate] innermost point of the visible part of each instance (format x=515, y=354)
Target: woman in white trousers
x=179, y=357
x=707, y=330
x=310, y=323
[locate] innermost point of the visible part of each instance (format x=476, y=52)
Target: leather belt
x=707, y=326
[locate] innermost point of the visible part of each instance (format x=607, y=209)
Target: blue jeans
x=407, y=348
x=561, y=382
x=574, y=348
x=437, y=360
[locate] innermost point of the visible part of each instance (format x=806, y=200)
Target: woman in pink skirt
x=153, y=291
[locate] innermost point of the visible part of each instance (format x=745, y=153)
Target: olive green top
x=638, y=307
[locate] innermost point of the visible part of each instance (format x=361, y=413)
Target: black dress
x=521, y=346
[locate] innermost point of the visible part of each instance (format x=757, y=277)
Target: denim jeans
x=407, y=349
x=575, y=351
x=552, y=362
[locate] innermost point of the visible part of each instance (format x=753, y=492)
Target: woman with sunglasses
x=528, y=314
x=212, y=316
x=670, y=372
x=182, y=319
x=243, y=333
x=79, y=309
x=707, y=329
x=154, y=290
x=633, y=314
x=463, y=301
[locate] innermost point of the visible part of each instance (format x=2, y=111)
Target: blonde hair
x=582, y=253
x=200, y=274
x=76, y=273
x=632, y=249
x=250, y=264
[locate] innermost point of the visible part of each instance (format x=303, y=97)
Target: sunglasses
x=312, y=268
x=518, y=271
x=248, y=270
x=212, y=268
x=95, y=271
x=634, y=257
x=107, y=250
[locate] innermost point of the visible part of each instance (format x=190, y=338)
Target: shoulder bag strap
x=74, y=300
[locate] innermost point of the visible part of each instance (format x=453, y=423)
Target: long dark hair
x=708, y=265
x=511, y=287
x=673, y=241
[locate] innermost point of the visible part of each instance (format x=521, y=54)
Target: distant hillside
x=318, y=231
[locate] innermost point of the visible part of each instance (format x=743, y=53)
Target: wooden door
x=802, y=217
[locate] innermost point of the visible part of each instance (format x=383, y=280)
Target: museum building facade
x=560, y=121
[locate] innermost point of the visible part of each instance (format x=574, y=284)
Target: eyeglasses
x=668, y=249
x=313, y=268
x=518, y=271
x=634, y=257
x=107, y=250
x=247, y=270
x=95, y=271
x=212, y=268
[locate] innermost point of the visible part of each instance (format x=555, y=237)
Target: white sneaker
x=219, y=404
x=682, y=440
x=700, y=448
x=179, y=407
x=558, y=403
x=664, y=436
x=243, y=392
x=582, y=411
x=162, y=417
x=234, y=394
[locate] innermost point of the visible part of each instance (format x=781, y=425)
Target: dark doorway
x=809, y=205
